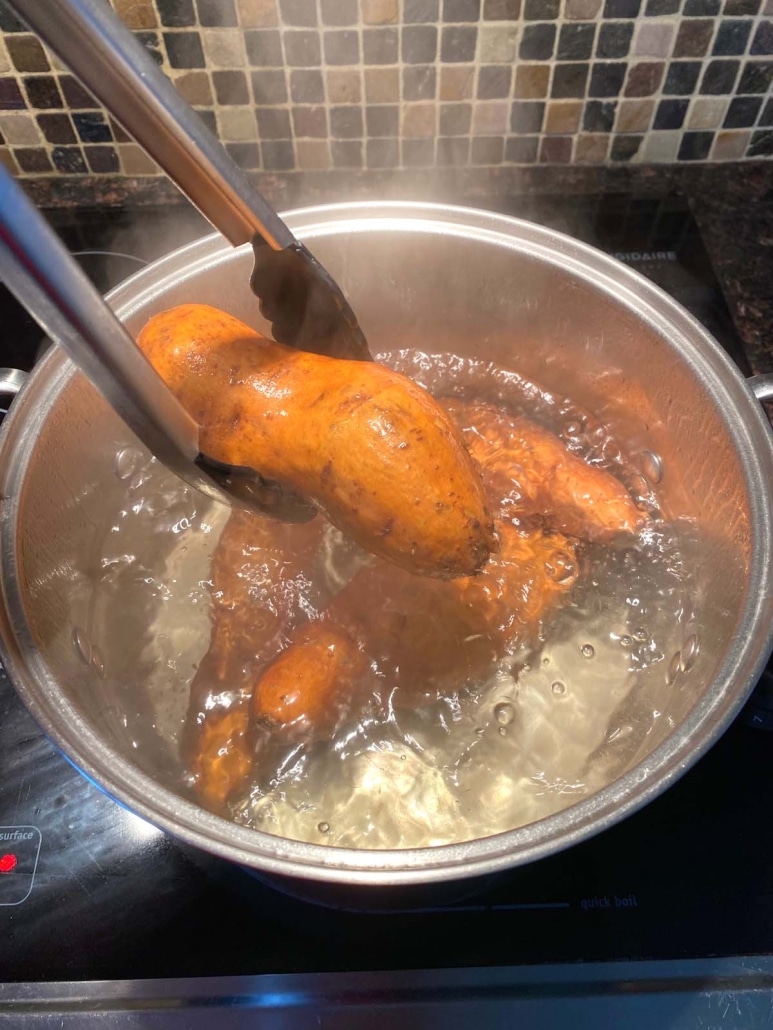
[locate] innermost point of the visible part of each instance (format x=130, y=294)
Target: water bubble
x=479, y=731
x=323, y=827
x=673, y=668
x=546, y=660
x=127, y=461
x=573, y=428
x=82, y=644
x=502, y=731
x=97, y=662
x=640, y=635
x=558, y=688
x=652, y=466
x=625, y=641
x=689, y=652
x=562, y=568
x=587, y=650
x=504, y=713
x=403, y=758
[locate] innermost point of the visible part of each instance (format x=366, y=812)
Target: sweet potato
x=369, y=446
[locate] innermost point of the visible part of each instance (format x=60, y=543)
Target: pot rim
x=716, y=708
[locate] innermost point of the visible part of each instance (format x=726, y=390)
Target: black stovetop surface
x=89, y=891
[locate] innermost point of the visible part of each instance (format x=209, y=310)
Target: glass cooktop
x=90, y=892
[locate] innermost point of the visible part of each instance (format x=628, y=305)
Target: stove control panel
x=19, y=851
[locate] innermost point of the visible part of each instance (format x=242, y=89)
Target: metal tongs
x=305, y=306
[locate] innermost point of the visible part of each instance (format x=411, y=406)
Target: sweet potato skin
x=373, y=449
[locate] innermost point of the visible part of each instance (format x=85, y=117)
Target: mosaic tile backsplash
x=385, y=84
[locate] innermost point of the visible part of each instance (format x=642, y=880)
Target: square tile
x=342, y=46
x=273, y=123
x=312, y=155
x=379, y=12
x=655, y=39
x=693, y=38
x=184, y=49
x=27, y=54
x=224, y=48
x=217, y=13
x=670, y=114
x=531, y=81
x=719, y=77
x=264, y=48
x=307, y=87
x=521, y=150
x=591, y=149
x=69, y=160
x=302, y=48
x=563, y=117
x=75, y=95
x=418, y=153
x=707, y=113
x=581, y=10
x=465, y=10
x=625, y=148
x=310, y=122
x=762, y=42
x=420, y=11
x=419, y=82
x=489, y=118
x=614, y=39
x=382, y=85
x=556, y=150
x=456, y=83
x=134, y=161
x=418, y=120
x=176, y=14
x=494, y=81
x=756, y=77
x=661, y=147
x=298, y=13
x=195, y=88
x=380, y=46
x=634, y=115
x=487, y=150
x=56, y=128
x=11, y=98
x=730, y=146
x=527, y=116
x=269, y=87
x=761, y=144
x=382, y=153
x=732, y=36
x=5, y=64
x=236, y=124
x=606, y=79
x=338, y=12
x=102, y=160
x=418, y=44
x=344, y=85
x=458, y=43
x=453, y=153
x=575, y=41
x=701, y=8
x=231, y=86
x=246, y=155
x=538, y=42
x=42, y=92
x=502, y=10
x=382, y=120
x=742, y=113
x=766, y=118
x=498, y=44
x=682, y=78
x=659, y=8
x=570, y=80
x=346, y=122
x=277, y=156
x=20, y=129
x=644, y=79
x=621, y=8
x=540, y=10
x=33, y=160
x=346, y=153
x=598, y=116
x=741, y=7
x=454, y=119
x=258, y=14
x=695, y=146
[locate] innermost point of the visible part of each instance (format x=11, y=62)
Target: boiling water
x=551, y=722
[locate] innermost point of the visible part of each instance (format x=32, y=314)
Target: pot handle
x=762, y=386
x=12, y=380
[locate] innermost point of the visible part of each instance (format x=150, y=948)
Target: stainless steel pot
x=559, y=312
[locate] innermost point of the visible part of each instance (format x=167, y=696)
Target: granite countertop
x=732, y=203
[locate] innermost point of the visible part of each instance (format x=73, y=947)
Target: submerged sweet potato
x=373, y=449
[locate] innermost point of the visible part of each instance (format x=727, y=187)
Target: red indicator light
x=8, y=863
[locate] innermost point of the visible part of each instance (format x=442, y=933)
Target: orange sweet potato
x=369, y=446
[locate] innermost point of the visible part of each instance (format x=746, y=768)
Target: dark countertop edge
x=733, y=204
